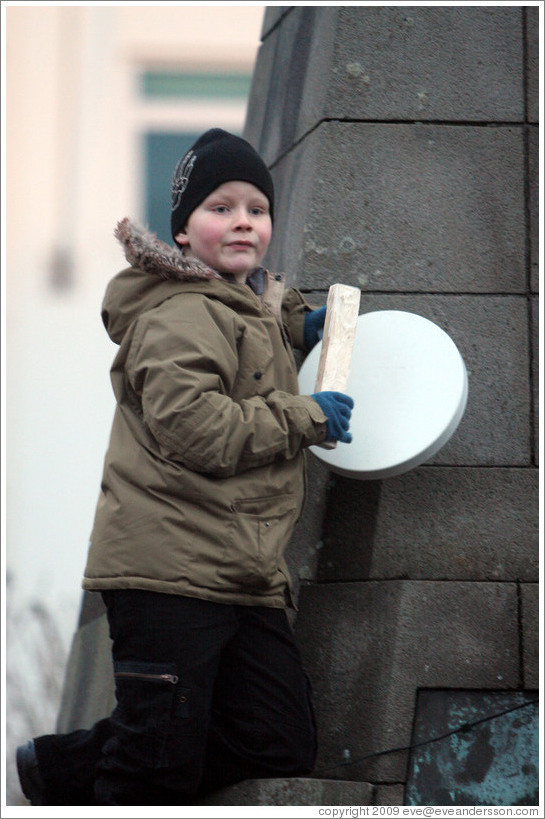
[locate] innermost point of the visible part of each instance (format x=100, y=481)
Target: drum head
x=409, y=385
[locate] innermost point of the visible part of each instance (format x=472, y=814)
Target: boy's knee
x=283, y=748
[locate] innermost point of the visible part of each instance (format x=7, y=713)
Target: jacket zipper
x=169, y=678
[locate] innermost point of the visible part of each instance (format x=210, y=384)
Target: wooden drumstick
x=341, y=319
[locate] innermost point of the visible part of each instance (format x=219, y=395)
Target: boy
x=202, y=487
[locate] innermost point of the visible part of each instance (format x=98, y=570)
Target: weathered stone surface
x=271, y=17
x=397, y=207
x=530, y=634
x=434, y=523
x=92, y=606
x=532, y=71
x=534, y=346
x=389, y=795
x=289, y=79
x=384, y=63
x=533, y=165
x=415, y=63
x=369, y=646
x=306, y=542
x=296, y=791
x=294, y=186
x=89, y=691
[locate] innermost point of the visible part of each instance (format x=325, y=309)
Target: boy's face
x=230, y=230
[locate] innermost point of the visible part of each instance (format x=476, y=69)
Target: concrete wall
x=404, y=147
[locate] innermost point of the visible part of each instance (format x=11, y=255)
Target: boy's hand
x=337, y=407
x=314, y=324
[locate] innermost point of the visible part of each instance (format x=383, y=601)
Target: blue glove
x=314, y=324
x=337, y=407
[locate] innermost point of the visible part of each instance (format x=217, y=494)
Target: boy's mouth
x=240, y=244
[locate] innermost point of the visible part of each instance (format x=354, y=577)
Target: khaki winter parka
x=203, y=478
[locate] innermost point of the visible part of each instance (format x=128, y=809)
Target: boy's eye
x=221, y=208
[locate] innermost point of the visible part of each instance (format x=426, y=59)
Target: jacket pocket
x=257, y=536
x=147, y=702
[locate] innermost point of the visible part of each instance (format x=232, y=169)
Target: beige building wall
x=74, y=119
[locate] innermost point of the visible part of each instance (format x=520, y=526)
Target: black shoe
x=29, y=773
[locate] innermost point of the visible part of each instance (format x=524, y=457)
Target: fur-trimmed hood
x=157, y=271
x=151, y=255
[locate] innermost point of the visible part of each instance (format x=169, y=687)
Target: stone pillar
x=404, y=147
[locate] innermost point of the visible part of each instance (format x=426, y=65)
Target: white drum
x=409, y=384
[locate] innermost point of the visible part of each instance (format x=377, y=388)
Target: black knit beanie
x=215, y=158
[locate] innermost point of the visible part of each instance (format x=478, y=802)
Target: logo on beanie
x=181, y=176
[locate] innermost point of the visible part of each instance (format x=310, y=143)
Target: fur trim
x=144, y=250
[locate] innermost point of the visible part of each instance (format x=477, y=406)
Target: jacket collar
x=150, y=254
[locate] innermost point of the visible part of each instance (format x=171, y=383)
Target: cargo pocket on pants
x=146, y=698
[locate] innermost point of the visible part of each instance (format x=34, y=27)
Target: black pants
x=207, y=695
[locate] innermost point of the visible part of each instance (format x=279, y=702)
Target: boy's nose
x=242, y=219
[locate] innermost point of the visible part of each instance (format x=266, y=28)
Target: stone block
x=389, y=795
x=370, y=646
x=92, y=607
x=534, y=346
x=427, y=63
x=306, y=541
x=271, y=18
x=384, y=63
x=530, y=634
x=433, y=523
x=294, y=181
x=289, y=77
x=296, y=791
x=491, y=333
x=532, y=69
x=393, y=207
x=89, y=691
x=533, y=167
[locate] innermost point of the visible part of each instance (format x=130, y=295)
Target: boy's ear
x=181, y=238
